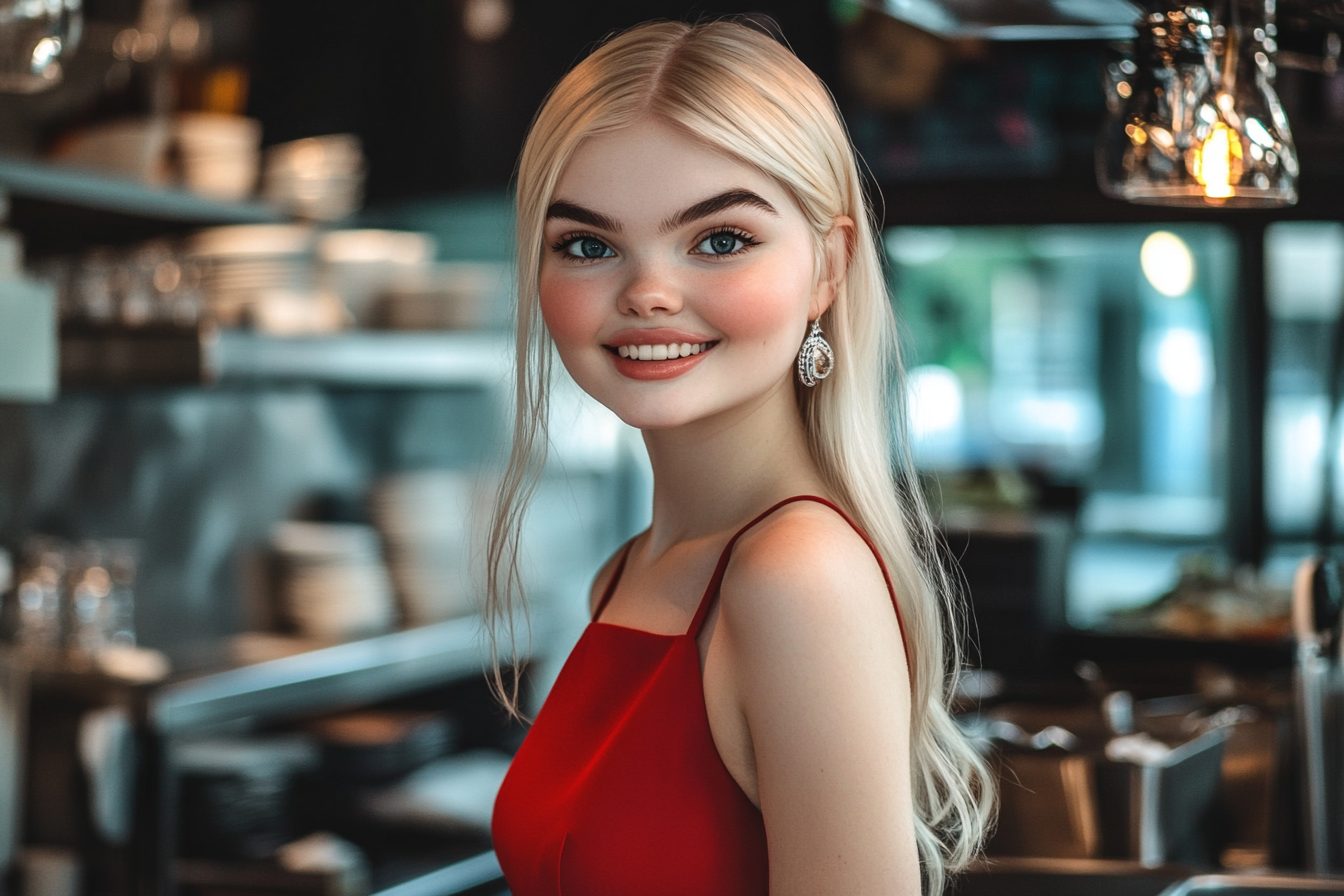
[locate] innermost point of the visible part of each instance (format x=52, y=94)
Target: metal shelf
x=171, y=356
x=61, y=185
x=324, y=679
x=459, y=877
x=446, y=359
x=62, y=210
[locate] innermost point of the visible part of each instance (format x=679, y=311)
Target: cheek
x=569, y=309
x=764, y=303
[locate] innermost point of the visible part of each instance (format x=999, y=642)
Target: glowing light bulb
x=1168, y=263
x=1216, y=162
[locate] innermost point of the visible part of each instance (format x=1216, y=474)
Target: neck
x=713, y=474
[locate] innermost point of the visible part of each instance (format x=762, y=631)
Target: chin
x=650, y=415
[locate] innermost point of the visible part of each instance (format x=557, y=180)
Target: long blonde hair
x=737, y=89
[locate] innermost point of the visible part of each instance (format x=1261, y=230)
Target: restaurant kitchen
x=255, y=350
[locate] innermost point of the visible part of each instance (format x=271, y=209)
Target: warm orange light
x=1216, y=163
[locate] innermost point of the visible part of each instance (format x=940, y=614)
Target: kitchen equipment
x=1074, y=790
x=1162, y=794
x=1253, y=885
x=1014, y=568
x=235, y=794
x=1315, y=613
x=1047, y=806
x=380, y=745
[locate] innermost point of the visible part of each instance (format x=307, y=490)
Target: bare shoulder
x=802, y=566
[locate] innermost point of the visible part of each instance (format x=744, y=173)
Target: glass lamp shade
x=1193, y=118
x=34, y=39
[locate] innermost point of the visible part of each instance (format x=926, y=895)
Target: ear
x=837, y=251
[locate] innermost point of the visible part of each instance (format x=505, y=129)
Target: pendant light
x=1194, y=120
x=35, y=37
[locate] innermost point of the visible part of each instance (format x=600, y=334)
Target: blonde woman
x=747, y=713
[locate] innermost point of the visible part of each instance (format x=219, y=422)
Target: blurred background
x=255, y=348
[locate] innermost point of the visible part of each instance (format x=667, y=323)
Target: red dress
x=618, y=789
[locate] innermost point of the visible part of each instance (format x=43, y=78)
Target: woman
x=746, y=714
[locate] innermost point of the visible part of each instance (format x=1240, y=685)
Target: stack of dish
x=358, y=265
x=241, y=265
x=219, y=153
x=458, y=295
x=424, y=519
x=318, y=178
x=261, y=275
x=332, y=584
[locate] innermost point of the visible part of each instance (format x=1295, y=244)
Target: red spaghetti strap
x=615, y=578
x=716, y=580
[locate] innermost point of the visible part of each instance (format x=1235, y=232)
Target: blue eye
x=724, y=242
x=588, y=247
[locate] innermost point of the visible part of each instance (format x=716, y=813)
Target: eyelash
x=569, y=239
x=747, y=240
x=561, y=246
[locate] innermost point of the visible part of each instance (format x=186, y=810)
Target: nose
x=650, y=291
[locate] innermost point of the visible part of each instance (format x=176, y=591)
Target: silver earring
x=816, y=359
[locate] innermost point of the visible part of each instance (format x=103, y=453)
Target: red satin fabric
x=618, y=789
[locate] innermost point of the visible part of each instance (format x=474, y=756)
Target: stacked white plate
x=220, y=153
x=425, y=519
x=358, y=265
x=242, y=265
x=318, y=178
x=332, y=581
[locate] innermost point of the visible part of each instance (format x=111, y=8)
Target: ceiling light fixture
x=1194, y=119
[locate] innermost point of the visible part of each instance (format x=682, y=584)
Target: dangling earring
x=816, y=359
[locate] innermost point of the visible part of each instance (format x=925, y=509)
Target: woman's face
x=676, y=282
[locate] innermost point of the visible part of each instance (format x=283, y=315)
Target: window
x=1084, y=357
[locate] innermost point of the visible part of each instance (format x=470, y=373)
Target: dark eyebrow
x=562, y=209
x=714, y=204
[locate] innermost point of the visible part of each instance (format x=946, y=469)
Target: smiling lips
x=657, y=361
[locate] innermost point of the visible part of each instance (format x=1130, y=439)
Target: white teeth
x=667, y=352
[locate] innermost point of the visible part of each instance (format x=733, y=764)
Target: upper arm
x=818, y=664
